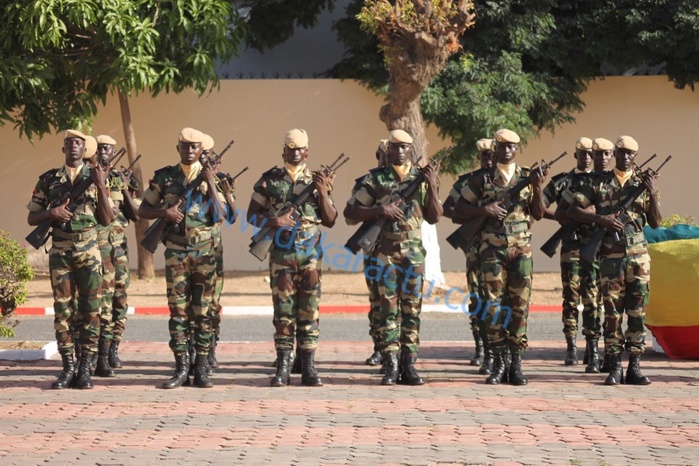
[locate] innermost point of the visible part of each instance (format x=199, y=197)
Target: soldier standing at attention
x=296, y=256
x=74, y=257
x=399, y=251
x=190, y=261
x=484, y=355
x=624, y=264
x=575, y=274
x=587, y=286
x=505, y=253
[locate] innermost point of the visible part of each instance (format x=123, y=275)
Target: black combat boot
x=375, y=359
x=181, y=374
x=391, y=376
x=592, y=353
x=616, y=372
x=309, y=376
x=114, y=360
x=515, y=375
x=67, y=374
x=633, y=372
x=571, y=351
x=283, y=375
x=83, y=381
x=606, y=364
x=499, y=369
x=103, y=369
x=489, y=359
x=201, y=372
x=479, y=358
x=408, y=374
x=213, y=362
x=296, y=361
x=507, y=360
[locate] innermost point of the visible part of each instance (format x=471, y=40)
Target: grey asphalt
x=341, y=327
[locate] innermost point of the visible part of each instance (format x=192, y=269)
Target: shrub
x=15, y=272
x=675, y=219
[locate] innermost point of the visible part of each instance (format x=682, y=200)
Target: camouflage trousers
x=580, y=281
x=295, y=280
x=108, y=283
x=215, y=306
x=399, y=271
x=625, y=288
x=374, y=301
x=190, y=284
x=473, y=287
x=76, y=283
x=122, y=279
x=506, y=284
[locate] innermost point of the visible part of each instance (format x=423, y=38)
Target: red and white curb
x=267, y=310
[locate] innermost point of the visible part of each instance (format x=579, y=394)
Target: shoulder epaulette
x=272, y=171
x=377, y=169
x=559, y=177
x=164, y=169
x=49, y=172
x=471, y=174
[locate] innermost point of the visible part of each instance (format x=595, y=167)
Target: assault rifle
x=466, y=234
x=261, y=243
x=154, y=234
x=591, y=248
x=41, y=233
x=368, y=233
x=566, y=230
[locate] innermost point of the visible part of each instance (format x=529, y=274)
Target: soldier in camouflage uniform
x=505, y=252
x=581, y=278
x=296, y=256
x=484, y=355
x=578, y=278
x=624, y=264
x=399, y=253
x=190, y=260
x=74, y=257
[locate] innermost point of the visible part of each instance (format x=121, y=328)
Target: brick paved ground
x=562, y=417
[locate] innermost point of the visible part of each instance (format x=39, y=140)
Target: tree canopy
x=525, y=63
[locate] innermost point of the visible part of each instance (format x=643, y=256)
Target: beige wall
x=343, y=117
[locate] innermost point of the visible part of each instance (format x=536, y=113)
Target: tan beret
x=207, y=143
x=74, y=133
x=296, y=139
x=583, y=144
x=627, y=142
x=398, y=136
x=191, y=135
x=602, y=144
x=484, y=144
x=105, y=139
x=90, y=147
x=506, y=135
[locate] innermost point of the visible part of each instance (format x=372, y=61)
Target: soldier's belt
x=189, y=240
x=76, y=236
x=402, y=236
x=508, y=229
x=631, y=240
x=301, y=235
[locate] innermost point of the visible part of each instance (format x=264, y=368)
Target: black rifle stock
x=591, y=248
x=566, y=231
x=262, y=242
x=154, y=234
x=39, y=235
x=367, y=234
x=465, y=235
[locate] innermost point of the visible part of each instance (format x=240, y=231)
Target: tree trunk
x=146, y=270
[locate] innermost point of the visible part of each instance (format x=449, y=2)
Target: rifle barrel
x=240, y=172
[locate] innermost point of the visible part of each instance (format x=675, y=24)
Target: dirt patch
x=252, y=289
x=22, y=345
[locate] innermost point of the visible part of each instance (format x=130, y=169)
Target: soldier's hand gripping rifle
x=40, y=234
x=591, y=248
x=261, y=243
x=154, y=234
x=566, y=230
x=368, y=233
x=466, y=234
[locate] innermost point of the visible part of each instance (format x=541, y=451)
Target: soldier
x=74, y=257
x=505, y=252
x=576, y=276
x=580, y=276
x=190, y=261
x=484, y=355
x=624, y=264
x=399, y=253
x=296, y=256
